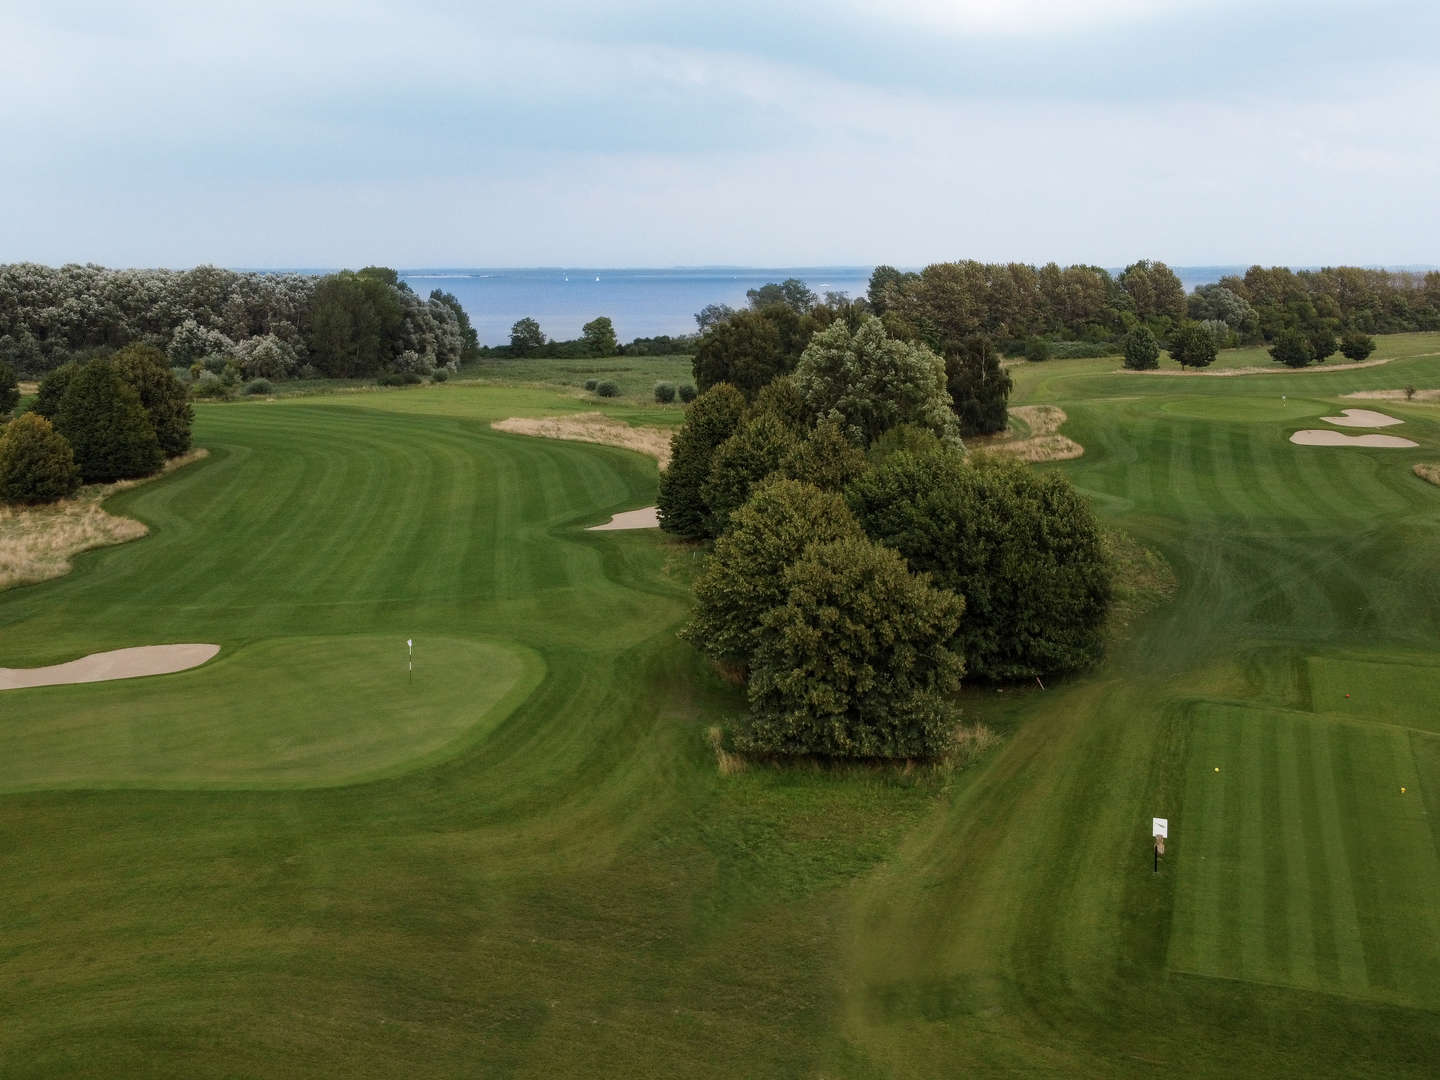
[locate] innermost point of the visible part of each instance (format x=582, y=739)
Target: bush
x=1292, y=348
x=9, y=389
x=36, y=463
x=1191, y=345
x=591, y=384
x=1037, y=350
x=259, y=386
x=687, y=393
x=664, y=392
x=608, y=389
x=209, y=386
x=1142, y=351
x=400, y=378
x=440, y=375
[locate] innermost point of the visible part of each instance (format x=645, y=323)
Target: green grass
x=277, y=865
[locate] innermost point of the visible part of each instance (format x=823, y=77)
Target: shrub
x=440, y=375
x=209, y=386
x=1037, y=350
x=1292, y=348
x=259, y=386
x=400, y=378
x=1409, y=393
x=591, y=384
x=664, y=392
x=36, y=463
x=9, y=389
x=266, y=357
x=687, y=393
x=1191, y=345
x=608, y=389
x=411, y=378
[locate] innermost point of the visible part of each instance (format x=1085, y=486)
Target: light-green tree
x=526, y=336
x=599, y=335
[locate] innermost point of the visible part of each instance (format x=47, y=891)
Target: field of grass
x=291, y=861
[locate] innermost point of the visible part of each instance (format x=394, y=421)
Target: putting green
x=292, y=712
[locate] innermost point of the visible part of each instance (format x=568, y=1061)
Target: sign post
x=410, y=644
x=1159, y=829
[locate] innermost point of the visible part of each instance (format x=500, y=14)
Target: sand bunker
x=1316, y=437
x=116, y=664
x=647, y=518
x=1362, y=418
x=593, y=427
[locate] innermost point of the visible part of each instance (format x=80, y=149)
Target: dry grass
x=729, y=764
x=968, y=743
x=1043, y=443
x=593, y=427
x=1428, y=470
x=37, y=543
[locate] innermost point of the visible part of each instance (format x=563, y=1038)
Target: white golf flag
x=410, y=642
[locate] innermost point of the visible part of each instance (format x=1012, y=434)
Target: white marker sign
x=1160, y=827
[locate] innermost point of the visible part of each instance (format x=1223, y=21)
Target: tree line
x=245, y=324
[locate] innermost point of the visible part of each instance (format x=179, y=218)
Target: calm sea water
x=641, y=303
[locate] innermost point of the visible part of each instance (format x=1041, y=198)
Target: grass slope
x=568, y=887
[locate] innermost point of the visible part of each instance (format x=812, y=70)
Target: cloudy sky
x=653, y=133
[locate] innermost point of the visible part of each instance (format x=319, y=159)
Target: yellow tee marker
x=1402, y=791
x=1217, y=768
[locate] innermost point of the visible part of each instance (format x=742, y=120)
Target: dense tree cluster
x=851, y=531
x=261, y=324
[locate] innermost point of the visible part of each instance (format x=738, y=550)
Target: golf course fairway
x=294, y=861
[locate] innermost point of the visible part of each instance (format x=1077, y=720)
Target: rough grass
x=39, y=542
x=1428, y=470
x=1035, y=436
x=593, y=428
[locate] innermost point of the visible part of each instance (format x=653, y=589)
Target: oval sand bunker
x=1362, y=418
x=116, y=664
x=1316, y=437
x=647, y=518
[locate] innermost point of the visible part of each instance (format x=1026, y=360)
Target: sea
x=643, y=303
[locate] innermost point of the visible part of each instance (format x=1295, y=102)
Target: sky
x=666, y=133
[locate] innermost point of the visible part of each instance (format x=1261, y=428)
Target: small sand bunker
x=1362, y=418
x=1317, y=437
x=647, y=518
x=116, y=664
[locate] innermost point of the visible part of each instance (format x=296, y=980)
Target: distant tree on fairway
x=709, y=420
x=9, y=389
x=36, y=463
x=1191, y=345
x=1322, y=343
x=1142, y=351
x=599, y=336
x=1292, y=348
x=356, y=323
x=855, y=662
x=1356, y=346
x=979, y=387
x=744, y=577
x=869, y=382
x=1021, y=547
x=105, y=423
x=525, y=336
x=164, y=397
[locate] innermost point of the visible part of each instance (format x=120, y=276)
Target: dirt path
x=116, y=664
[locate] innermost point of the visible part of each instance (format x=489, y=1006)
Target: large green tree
x=1191, y=345
x=855, y=662
x=744, y=577
x=979, y=387
x=105, y=423
x=52, y=389
x=1021, y=547
x=36, y=463
x=1356, y=346
x=599, y=336
x=1142, y=351
x=709, y=420
x=164, y=398
x=357, y=322
x=750, y=348
x=1292, y=348
x=869, y=382
x=525, y=336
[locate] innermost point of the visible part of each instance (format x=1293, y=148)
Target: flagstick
x=410, y=644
